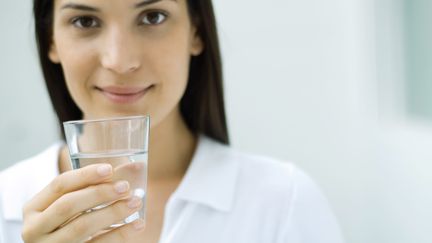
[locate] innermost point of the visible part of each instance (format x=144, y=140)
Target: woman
x=158, y=57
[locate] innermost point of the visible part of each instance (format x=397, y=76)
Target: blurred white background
x=331, y=85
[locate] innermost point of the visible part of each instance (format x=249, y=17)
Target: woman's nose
x=119, y=54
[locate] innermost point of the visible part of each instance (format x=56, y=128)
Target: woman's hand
x=56, y=214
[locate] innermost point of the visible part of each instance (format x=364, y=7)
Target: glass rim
x=120, y=118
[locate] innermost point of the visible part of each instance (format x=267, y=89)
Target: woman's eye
x=85, y=22
x=153, y=18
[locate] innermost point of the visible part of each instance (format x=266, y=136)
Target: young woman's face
x=124, y=57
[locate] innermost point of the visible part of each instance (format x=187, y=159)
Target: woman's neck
x=171, y=148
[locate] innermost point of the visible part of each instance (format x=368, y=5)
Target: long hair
x=202, y=105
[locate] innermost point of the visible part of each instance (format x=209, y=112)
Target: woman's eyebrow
x=93, y=9
x=79, y=7
x=148, y=2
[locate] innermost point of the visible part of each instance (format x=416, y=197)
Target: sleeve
x=310, y=218
x=2, y=223
x=10, y=231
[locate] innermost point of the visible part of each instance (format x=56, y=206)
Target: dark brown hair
x=202, y=105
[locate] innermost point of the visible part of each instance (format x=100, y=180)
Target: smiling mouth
x=123, y=95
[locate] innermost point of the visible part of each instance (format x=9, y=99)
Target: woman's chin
x=113, y=114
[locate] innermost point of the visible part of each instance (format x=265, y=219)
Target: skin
x=119, y=45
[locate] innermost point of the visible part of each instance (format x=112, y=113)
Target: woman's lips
x=123, y=95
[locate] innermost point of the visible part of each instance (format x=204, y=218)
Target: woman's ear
x=197, y=45
x=52, y=53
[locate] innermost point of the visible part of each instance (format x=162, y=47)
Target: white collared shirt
x=225, y=197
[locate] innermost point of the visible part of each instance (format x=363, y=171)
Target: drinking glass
x=121, y=142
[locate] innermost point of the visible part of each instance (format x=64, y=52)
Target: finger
x=121, y=234
x=74, y=203
x=67, y=182
x=89, y=224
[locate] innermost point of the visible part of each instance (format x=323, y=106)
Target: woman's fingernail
x=138, y=224
x=121, y=187
x=134, y=202
x=104, y=170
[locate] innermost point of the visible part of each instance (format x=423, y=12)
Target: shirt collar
x=210, y=179
x=211, y=176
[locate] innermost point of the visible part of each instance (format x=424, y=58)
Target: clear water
x=130, y=166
